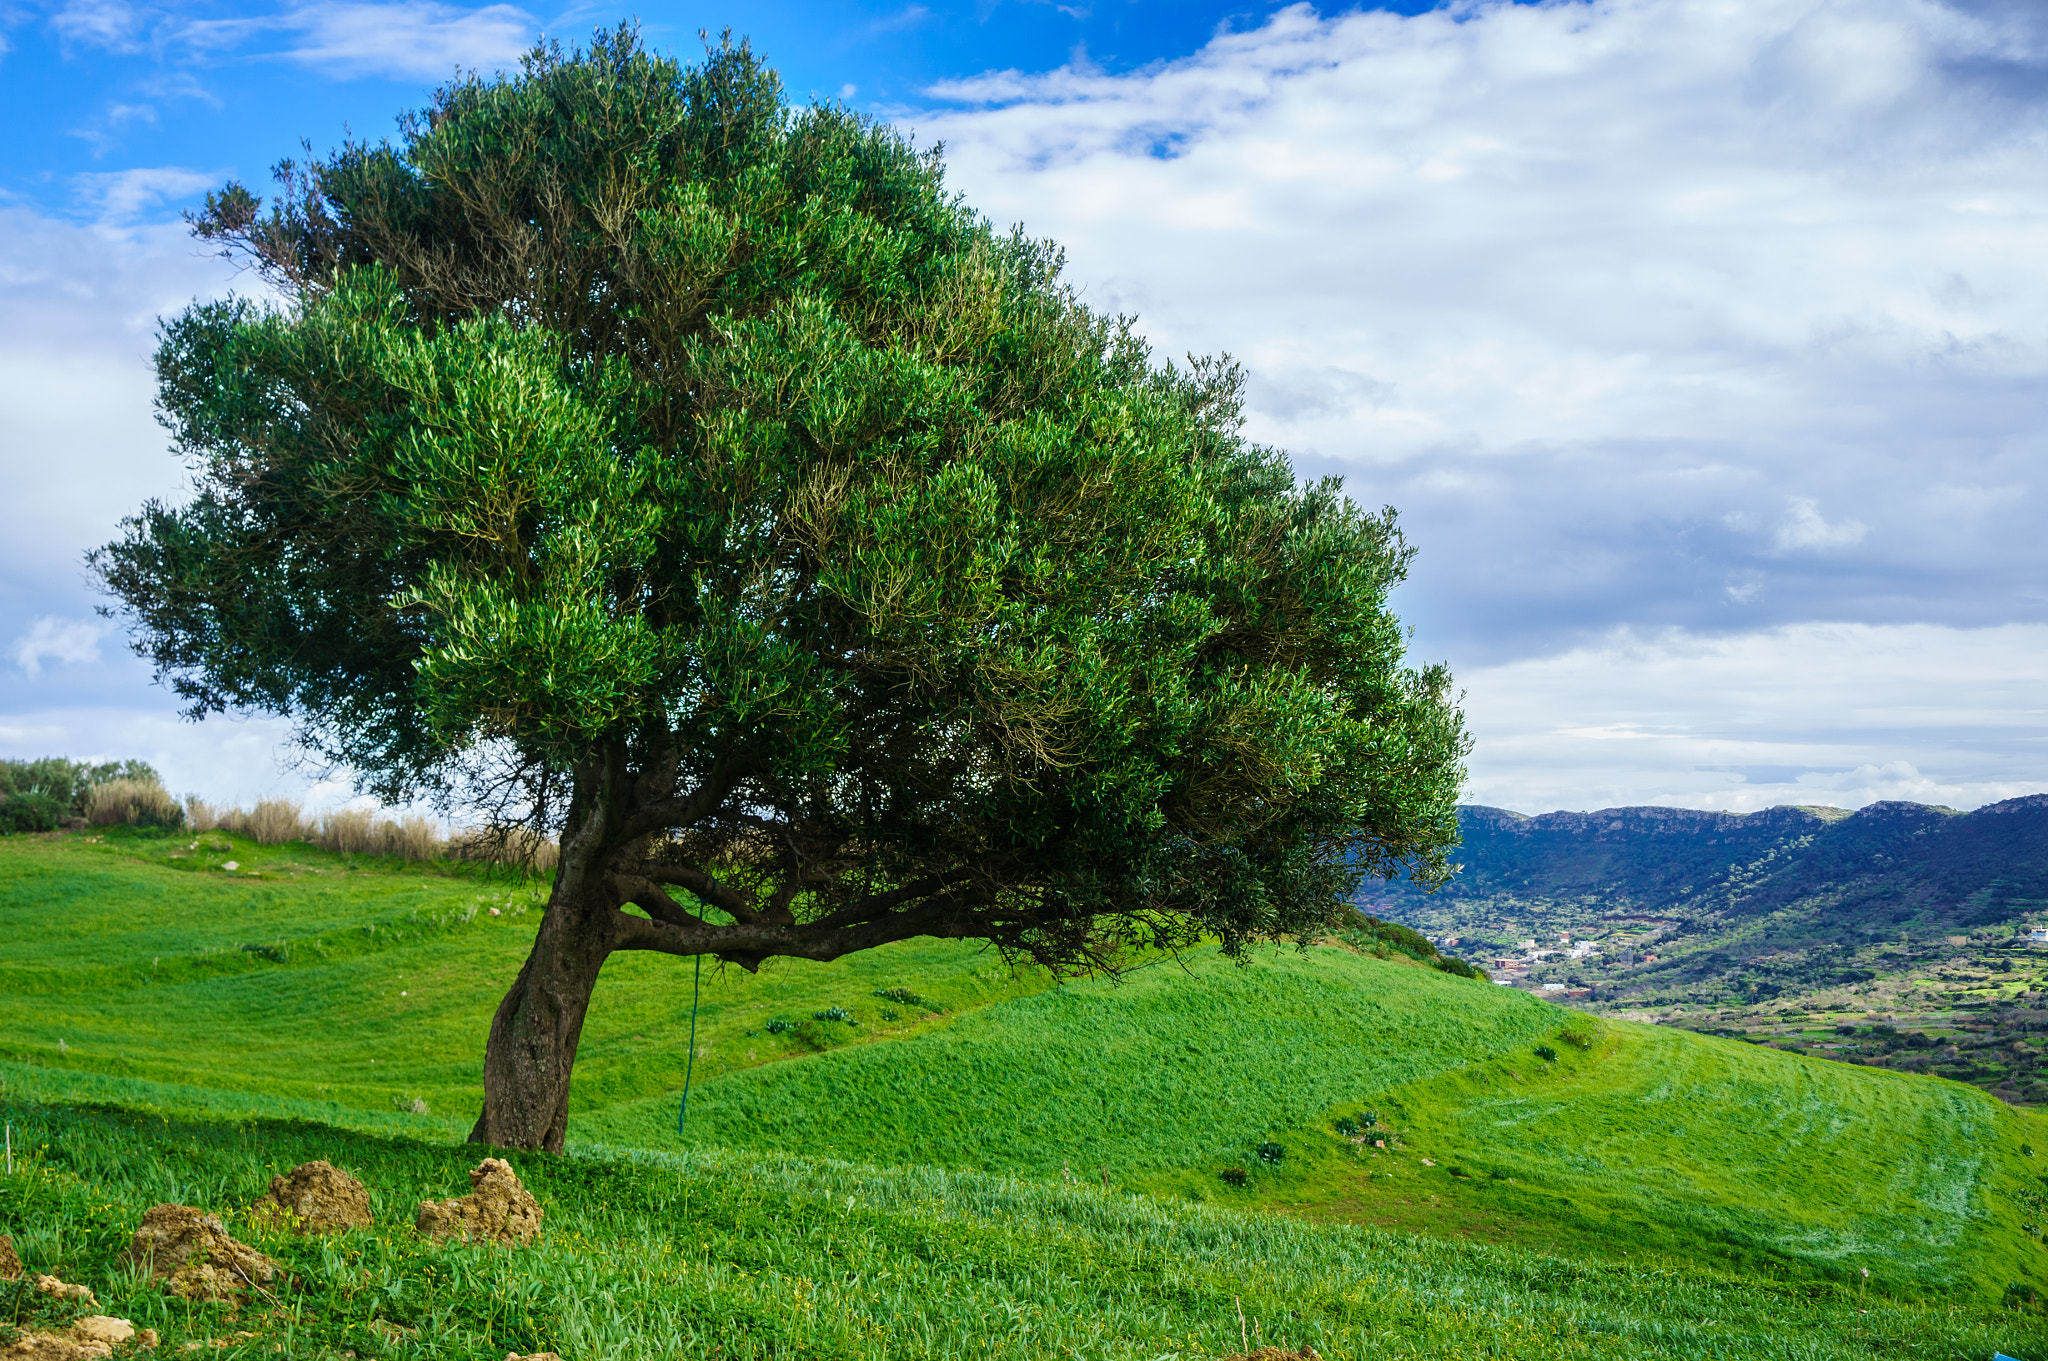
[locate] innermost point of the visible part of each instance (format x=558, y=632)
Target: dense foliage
x=700, y=479
x=37, y=796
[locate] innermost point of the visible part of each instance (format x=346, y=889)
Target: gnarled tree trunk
x=535, y=1032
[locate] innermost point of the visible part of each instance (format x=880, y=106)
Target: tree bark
x=534, y=1034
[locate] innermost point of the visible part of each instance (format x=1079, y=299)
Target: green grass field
x=749, y=1255
x=143, y=975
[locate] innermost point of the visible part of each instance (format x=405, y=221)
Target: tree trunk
x=537, y=1027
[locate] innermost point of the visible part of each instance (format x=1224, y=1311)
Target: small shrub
x=1347, y=1127
x=833, y=1014
x=889, y=1014
x=908, y=999
x=1236, y=1176
x=1271, y=1153
x=780, y=1027
x=31, y=812
x=1546, y=1053
x=1577, y=1036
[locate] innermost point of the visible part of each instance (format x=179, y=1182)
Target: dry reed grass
x=359, y=831
x=362, y=831
x=139, y=802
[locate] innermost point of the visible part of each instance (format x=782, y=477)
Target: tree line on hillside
x=45, y=794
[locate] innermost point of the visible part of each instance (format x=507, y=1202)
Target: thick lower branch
x=748, y=943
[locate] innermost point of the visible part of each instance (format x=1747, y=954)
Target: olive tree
x=697, y=478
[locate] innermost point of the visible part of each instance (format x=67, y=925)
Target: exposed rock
x=190, y=1251
x=317, y=1197
x=496, y=1210
x=103, y=1328
x=52, y=1347
x=10, y=1263
x=57, y=1289
x=91, y=1337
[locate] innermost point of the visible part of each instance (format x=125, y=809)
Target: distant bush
x=1382, y=939
x=1546, y=1053
x=1236, y=1176
x=1347, y=1127
x=1270, y=1152
x=780, y=1027
x=1577, y=1036
x=31, y=812
x=36, y=796
x=833, y=1014
x=1373, y=936
x=1451, y=964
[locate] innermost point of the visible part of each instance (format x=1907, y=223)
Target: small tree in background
x=697, y=479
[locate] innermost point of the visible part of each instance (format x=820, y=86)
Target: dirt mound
x=496, y=1210
x=317, y=1197
x=58, y=1290
x=190, y=1251
x=90, y=1338
x=10, y=1262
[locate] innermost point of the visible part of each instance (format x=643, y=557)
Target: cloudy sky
x=1701, y=344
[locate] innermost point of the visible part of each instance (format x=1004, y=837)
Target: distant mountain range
x=1738, y=904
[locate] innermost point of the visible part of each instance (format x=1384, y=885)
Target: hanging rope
x=696, y=983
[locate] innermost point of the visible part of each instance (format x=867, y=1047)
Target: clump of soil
x=90, y=1338
x=317, y=1197
x=10, y=1261
x=190, y=1251
x=496, y=1210
x=58, y=1290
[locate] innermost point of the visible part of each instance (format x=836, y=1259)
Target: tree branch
x=704, y=885
x=724, y=777
x=748, y=943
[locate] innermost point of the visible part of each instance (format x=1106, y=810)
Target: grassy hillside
x=1629, y=1139
x=767, y=1256
x=370, y=983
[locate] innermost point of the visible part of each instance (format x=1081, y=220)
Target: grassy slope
x=760, y=1255
x=314, y=977
x=1659, y=1140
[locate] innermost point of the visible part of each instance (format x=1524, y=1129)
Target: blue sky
x=1701, y=343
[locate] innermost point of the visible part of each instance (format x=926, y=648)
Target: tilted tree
x=698, y=479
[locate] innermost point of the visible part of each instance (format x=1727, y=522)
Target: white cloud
x=1820, y=713
x=411, y=38
x=1803, y=527
x=400, y=39
x=109, y=24
x=120, y=196
x=1580, y=287
x=64, y=640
